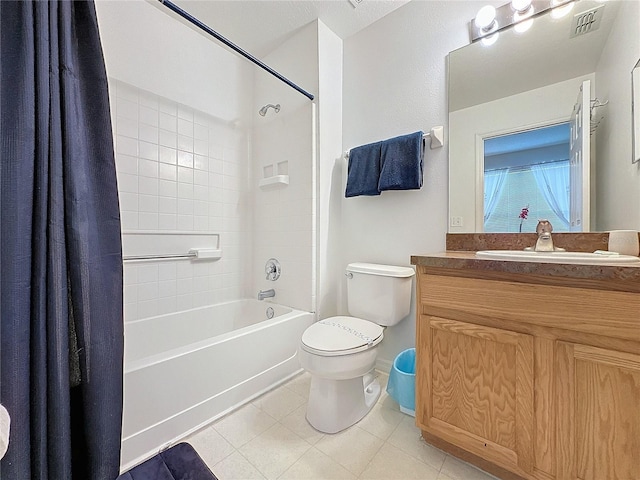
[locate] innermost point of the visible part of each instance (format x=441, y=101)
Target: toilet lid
x=341, y=335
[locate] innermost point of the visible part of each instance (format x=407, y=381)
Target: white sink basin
x=558, y=257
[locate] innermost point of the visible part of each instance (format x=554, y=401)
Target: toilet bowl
x=340, y=352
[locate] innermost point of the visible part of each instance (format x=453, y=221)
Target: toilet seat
x=341, y=335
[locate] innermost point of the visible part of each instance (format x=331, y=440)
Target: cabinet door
x=475, y=387
x=598, y=405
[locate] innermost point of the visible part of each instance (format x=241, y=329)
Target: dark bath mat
x=180, y=462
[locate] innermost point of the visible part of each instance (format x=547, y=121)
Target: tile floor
x=271, y=439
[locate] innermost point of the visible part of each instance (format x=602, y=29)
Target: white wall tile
x=148, y=203
x=167, y=188
x=127, y=182
x=167, y=221
x=185, y=159
x=148, y=221
x=147, y=185
x=185, y=127
x=185, y=113
x=185, y=174
x=126, y=164
x=126, y=145
x=128, y=201
x=167, y=205
x=167, y=122
x=167, y=138
x=167, y=172
x=167, y=271
x=185, y=143
x=148, y=100
x=168, y=155
x=201, y=132
x=201, y=162
x=127, y=127
x=127, y=108
x=185, y=222
x=148, y=133
x=148, y=150
x=148, y=272
x=185, y=190
x=201, y=147
x=169, y=165
x=129, y=220
x=147, y=168
x=147, y=291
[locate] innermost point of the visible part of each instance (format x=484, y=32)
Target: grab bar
x=198, y=253
x=159, y=257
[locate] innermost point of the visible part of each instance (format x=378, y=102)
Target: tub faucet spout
x=262, y=294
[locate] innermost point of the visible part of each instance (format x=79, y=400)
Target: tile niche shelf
x=275, y=175
x=274, y=181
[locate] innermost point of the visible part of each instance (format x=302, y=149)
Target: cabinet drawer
x=587, y=311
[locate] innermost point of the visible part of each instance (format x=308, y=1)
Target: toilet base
x=337, y=404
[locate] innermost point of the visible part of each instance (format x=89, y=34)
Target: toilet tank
x=379, y=293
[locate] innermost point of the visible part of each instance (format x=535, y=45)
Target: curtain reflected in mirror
x=526, y=178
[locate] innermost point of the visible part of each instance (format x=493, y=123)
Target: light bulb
x=485, y=18
x=520, y=16
x=521, y=5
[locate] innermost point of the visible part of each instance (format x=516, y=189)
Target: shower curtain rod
x=190, y=18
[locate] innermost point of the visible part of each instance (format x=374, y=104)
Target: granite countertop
x=622, y=275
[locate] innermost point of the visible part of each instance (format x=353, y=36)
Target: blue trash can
x=402, y=381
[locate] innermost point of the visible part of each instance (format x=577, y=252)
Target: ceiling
x=259, y=26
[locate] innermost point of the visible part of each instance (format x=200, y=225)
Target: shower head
x=263, y=110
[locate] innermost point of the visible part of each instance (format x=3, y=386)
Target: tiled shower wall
x=180, y=169
x=284, y=219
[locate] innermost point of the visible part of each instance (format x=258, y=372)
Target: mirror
x=527, y=80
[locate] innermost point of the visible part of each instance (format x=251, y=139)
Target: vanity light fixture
x=520, y=13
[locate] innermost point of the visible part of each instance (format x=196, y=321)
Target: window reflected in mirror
x=526, y=178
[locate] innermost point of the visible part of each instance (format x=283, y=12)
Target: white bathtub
x=185, y=369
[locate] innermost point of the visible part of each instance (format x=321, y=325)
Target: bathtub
x=183, y=370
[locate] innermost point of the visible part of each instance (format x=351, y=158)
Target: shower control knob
x=272, y=269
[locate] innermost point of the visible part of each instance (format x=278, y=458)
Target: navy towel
x=364, y=170
x=180, y=462
x=402, y=162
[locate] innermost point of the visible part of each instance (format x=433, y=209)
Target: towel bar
x=436, y=134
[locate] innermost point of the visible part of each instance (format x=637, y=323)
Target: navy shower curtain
x=60, y=254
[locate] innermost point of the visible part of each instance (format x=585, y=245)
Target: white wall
x=148, y=47
x=329, y=171
x=395, y=83
x=618, y=180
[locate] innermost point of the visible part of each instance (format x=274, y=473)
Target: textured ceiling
x=259, y=26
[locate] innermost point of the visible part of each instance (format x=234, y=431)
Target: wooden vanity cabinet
x=529, y=379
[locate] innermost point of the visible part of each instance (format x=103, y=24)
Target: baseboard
x=383, y=365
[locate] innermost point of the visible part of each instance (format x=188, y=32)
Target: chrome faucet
x=545, y=242
x=262, y=294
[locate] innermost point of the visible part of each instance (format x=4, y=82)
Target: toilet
x=340, y=352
